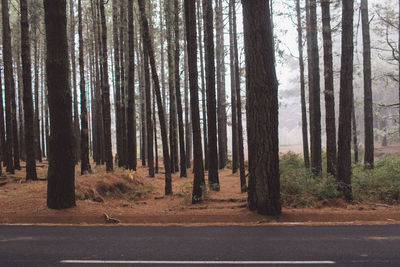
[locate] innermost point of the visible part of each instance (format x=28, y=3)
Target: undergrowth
x=299, y=188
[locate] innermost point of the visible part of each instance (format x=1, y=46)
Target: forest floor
x=134, y=198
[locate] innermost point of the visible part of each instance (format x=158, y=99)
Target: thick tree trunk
x=346, y=96
x=85, y=164
x=368, y=103
x=235, y=143
x=330, y=120
x=182, y=154
x=262, y=97
x=9, y=86
x=302, y=88
x=27, y=94
x=314, y=88
x=61, y=175
x=213, y=179
x=190, y=22
x=147, y=41
x=221, y=93
x=106, y=93
x=131, y=118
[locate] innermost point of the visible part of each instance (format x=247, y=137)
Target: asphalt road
x=200, y=246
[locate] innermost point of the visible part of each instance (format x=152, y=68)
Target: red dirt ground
x=134, y=198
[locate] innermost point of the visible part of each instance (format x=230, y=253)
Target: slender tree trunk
x=155, y=134
x=116, y=45
x=27, y=94
x=368, y=106
x=314, y=88
x=190, y=21
x=330, y=120
x=106, y=94
x=262, y=97
x=302, y=88
x=162, y=57
x=149, y=123
x=221, y=93
x=188, y=133
x=9, y=85
x=235, y=143
x=61, y=175
x=203, y=88
x=239, y=106
x=182, y=154
x=36, y=68
x=172, y=92
x=131, y=118
x=21, y=141
x=147, y=41
x=77, y=131
x=213, y=179
x=346, y=96
x=123, y=59
x=2, y=130
x=354, y=128
x=85, y=164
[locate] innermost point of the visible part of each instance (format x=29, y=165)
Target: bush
x=300, y=189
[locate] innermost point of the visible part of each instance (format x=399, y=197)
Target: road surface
x=200, y=246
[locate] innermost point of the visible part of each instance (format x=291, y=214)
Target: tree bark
x=9, y=86
x=106, y=93
x=188, y=132
x=190, y=22
x=27, y=94
x=314, y=88
x=368, y=104
x=221, y=98
x=235, y=143
x=346, y=96
x=131, y=118
x=182, y=154
x=262, y=97
x=213, y=178
x=85, y=164
x=330, y=120
x=304, y=126
x=61, y=175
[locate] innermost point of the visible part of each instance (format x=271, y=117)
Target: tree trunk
x=2, y=130
x=147, y=41
x=314, y=88
x=213, y=179
x=188, y=133
x=221, y=98
x=190, y=22
x=368, y=104
x=354, y=128
x=302, y=88
x=131, y=118
x=239, y=106
x=172, y=93
x=61, y=175
x=149, y=123
x=123, y=59
x=330, y=120
x=182, y=154
x=35, y=22
x=346, y=96
x=27, y=94
x=235, y=143
x=106, y=94
x=9, y=86
x=262, y=97
x=155, y=134
x=203, y=89
x=21, y=106
x=74, y=85
x=85, y=164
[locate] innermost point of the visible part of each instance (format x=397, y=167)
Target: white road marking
x=193, y=262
